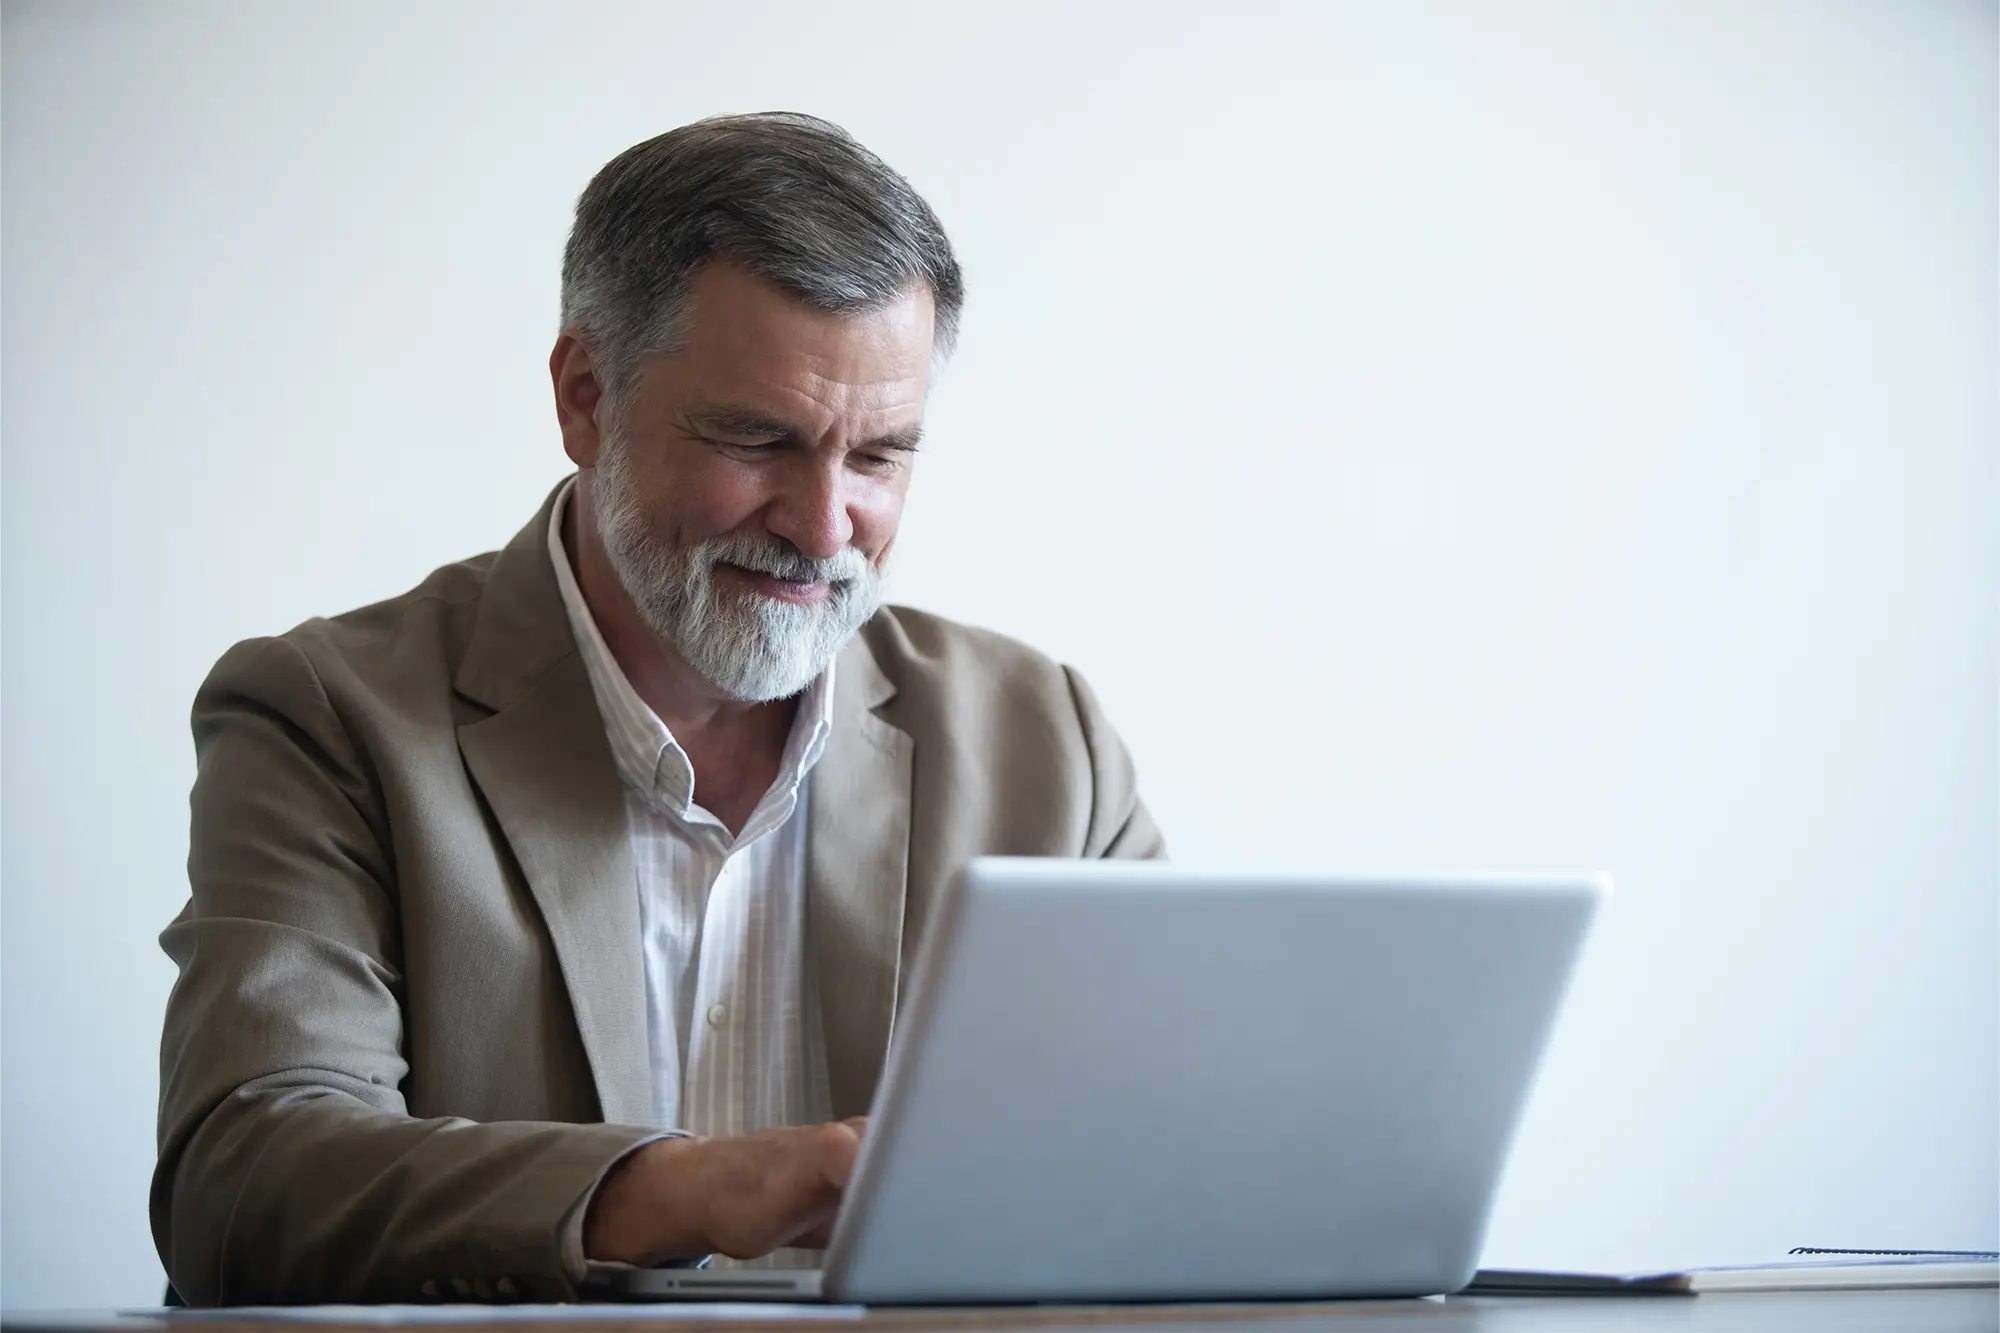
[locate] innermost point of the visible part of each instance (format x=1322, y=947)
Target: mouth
x=799, y=592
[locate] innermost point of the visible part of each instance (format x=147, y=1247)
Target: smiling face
x=748, y=489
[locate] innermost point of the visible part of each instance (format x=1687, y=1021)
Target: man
x=554, y=911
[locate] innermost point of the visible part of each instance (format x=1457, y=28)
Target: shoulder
x=971, y=686
x=441, y=608
x=1011, y=742
x=410, y=643
x=916, y=647
x=942, y=666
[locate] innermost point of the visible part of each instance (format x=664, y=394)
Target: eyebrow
x=746, y=421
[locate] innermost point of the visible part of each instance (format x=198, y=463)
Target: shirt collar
x=650, y=761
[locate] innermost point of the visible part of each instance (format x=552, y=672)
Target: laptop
x=1135, y=1081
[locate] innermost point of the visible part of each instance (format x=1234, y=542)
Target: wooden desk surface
x=1960, y=1311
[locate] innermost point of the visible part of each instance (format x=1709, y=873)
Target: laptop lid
x=1137, y=1081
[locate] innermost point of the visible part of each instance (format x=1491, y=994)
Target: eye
x=880, y=463
x=747, y=449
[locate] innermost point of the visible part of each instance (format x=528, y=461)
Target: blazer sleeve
x=1120, y=825
x=289, y=1167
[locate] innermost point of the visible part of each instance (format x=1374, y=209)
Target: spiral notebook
x=1809, y=1268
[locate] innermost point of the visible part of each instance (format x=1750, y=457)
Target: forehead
x=745, y=337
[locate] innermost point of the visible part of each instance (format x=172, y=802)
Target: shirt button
x=718, y=1014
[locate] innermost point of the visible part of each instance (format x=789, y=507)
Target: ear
x=579, y=397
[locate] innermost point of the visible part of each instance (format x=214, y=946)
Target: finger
x=818, y=1238
x=834, y=1153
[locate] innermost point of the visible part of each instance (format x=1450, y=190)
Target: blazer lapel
x=544, y=766
x=857, y=878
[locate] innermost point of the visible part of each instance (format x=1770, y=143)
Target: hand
x=743, y=1197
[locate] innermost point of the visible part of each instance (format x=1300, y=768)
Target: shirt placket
x=715, y=1048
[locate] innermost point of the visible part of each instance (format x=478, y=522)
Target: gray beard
x=750, y=648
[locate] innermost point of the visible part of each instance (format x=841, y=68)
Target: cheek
x=876, y=514
x=710, y=500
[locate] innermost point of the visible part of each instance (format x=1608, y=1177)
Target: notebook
x=1809, y=1269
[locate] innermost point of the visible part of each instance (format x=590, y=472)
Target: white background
x=1448, y=435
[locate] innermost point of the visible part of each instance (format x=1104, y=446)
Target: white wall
x=1542, y=434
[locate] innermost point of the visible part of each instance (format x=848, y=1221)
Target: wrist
x=643, y=1212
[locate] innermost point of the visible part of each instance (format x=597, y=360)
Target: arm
x=1120, y=825
x=289, y=1167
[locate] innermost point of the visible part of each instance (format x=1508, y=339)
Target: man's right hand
x=683, y=1198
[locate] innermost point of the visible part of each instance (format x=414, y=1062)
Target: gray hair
x=792, y=198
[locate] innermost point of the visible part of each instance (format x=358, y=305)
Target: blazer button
x=430, y=1287
x=461, y=1286
x=483, y=1287
x=506, y=1287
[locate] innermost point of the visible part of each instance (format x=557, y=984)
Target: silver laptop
x=1131, y=1081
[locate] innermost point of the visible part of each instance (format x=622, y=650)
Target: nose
x=810, y=510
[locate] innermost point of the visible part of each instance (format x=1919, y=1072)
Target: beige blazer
x=408, y=1035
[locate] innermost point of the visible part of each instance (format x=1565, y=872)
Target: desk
x=1963, y=1311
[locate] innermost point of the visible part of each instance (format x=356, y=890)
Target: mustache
x=780, y=559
